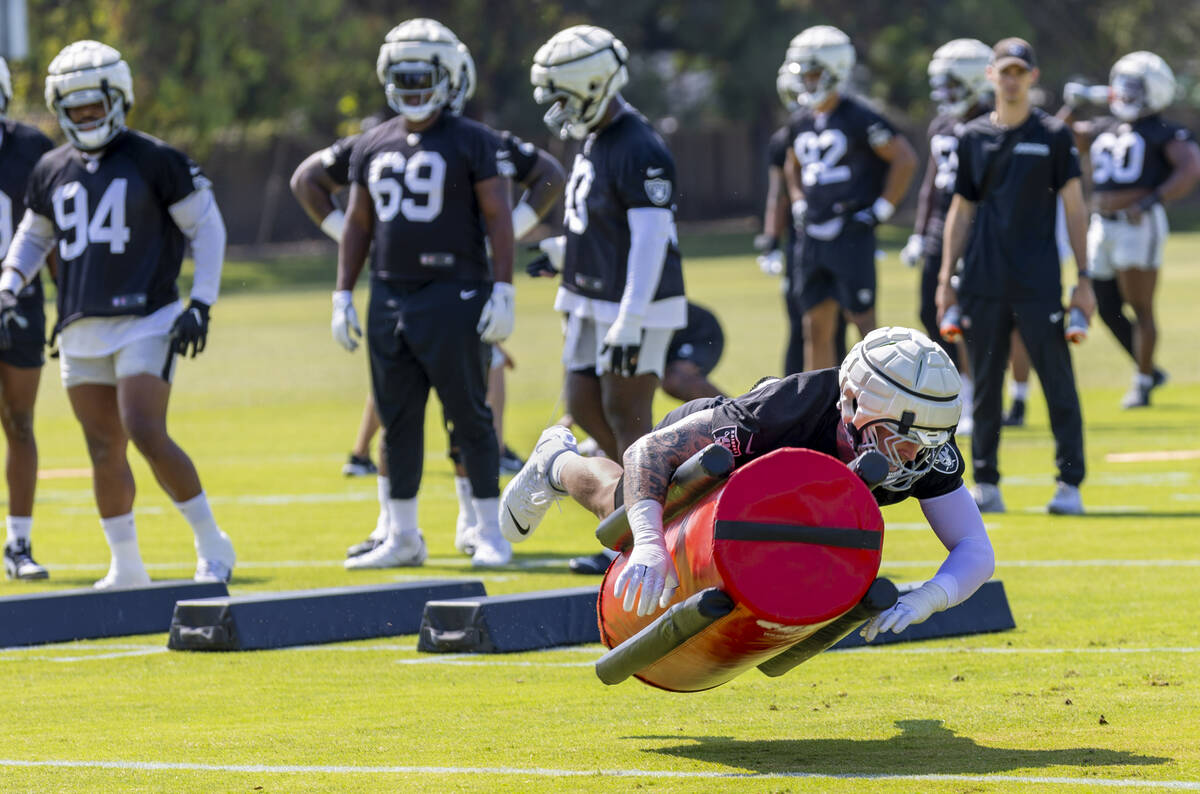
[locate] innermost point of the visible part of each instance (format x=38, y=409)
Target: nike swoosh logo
x=516, y=523
x=653, y=171
x=467, y=294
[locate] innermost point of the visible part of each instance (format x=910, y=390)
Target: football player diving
x=425, y=189
x=1139, y=162
x=538, y=175
x=847, y=169
x=896, y=392
x=121, y=206
x=21, y=348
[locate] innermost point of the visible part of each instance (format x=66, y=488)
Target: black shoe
x=510, y=462
x=1160, y=377
x=359, y=467
x=19, y=562
x=359, y=549
x=1138, y=396
x=593, y=564
x=1016, y=415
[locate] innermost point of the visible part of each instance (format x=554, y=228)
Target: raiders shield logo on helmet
x=946, y=460
x=658, y=191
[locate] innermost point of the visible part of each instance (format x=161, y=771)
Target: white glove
x=771, y=262
x=345, y=320
x=555, y=249
x=913, y=250
x=649, y=566
x=915, y=606
x=497, y=318
x=623, y=344
x=799, y=210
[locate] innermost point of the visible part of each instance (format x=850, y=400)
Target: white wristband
x=524, y=219
x=333, y=224
x=883, y=209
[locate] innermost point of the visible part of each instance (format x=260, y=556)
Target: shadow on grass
x=923, y=747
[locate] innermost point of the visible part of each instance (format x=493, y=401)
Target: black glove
x=541, y=267
x=190, y=329
x=10, y=316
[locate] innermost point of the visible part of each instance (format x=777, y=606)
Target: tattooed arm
x=651, y=461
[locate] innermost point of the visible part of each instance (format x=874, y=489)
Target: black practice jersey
x=21, y=146
x=802, y=411
x=839, y=170
x=777, y=147
x=1132, y=154
x=336, y=159
x=943, y=156
x=119, y=250
x=428, y=224
x=1012, y=250
x=515, y=159
x=625, y=166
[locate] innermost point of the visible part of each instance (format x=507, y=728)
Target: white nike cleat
x=124, y=578
x=216, y=562
x=491, y=549
x=407, y=551
x=466, y=535
x=987, y=497
x=529, y=494
x=1066, y=501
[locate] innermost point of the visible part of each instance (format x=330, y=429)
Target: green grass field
x=1098, y=687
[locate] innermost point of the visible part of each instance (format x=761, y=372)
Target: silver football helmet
x=465, y=89
x=1140, y=83
x=419, y=65
x=786, y=87
x=5, y=87
x=819, y=60
x=900, y=396
x=958, y=75
x=86, y=73
x=578, y=71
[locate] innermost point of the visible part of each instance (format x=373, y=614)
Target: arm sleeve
x=956, y=521
x=650, y=230
x=964, y=181
x=32, y=241
x=198, y=217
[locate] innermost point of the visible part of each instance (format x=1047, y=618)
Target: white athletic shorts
x=145, y=355
x=1115, y=244
x=584, y=338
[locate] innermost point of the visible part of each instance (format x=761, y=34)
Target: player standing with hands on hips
x=1013, y=165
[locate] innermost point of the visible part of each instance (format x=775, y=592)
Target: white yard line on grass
x=269, y=769
x=1152, y=456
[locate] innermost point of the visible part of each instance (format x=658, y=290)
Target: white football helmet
x=899, y=389
x=579, y=71
x=465, y=89
x=958, y=75
x=1140, y=84
x=818, y=61
x=85, y=73
x=785, y=86
x=5, y=87
x=420, y=60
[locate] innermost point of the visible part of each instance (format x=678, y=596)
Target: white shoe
x=1066, y=501
x=491, y=549
x=126, y=577
x=529, y=494
x=987, y=497
x=466, y=536
x=216, y=563
x=407, y=551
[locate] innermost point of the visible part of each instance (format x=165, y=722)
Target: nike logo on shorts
x=467, y=294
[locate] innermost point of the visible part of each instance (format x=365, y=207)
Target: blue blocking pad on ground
x=985, y=611
x=510, y=623
x=308, y=617
x=89, y=614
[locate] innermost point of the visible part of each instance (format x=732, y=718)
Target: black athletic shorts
x=701, y=342
x=29, y=344
x=842, y=268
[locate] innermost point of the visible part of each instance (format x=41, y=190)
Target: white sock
x=18, y=528
x=199, y=516
x=383, y=487
x=554, y=476
x=488, y=511
x=466, y=505
x=1143, y=381
x=404, y=517
x=1018, y=390
x=121, y=534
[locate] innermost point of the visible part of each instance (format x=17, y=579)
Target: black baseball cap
x=1013, y=50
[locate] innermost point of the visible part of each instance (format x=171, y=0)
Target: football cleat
x=1066, y=501
x=369, y=544
x=407, y=551
x=987, y=497
x=357, y=466
x=1015, y=416
x=215, y=564
x=529, y=494
x=122, y=579
x=510, y=461
x=466, y=536
x=491, y=549
x=19, y=562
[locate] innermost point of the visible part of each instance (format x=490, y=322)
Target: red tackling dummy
x=794, y=538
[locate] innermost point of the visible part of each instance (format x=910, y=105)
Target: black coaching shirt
x=840, y=173
x=21, y=146
x=428, y=224
x=802, y=411
x=1012, y=252
x=624, y=166
x=1132, y=154
x=119, y=250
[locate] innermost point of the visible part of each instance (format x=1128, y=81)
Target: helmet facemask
x=569, y=116
x=910, y=451
x=813, y=82
x=1127, y=97
x=428, y=82
x=951, y=95
x=95, y=133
